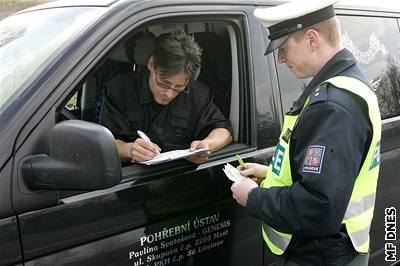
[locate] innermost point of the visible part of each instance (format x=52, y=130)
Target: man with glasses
x=174, y=109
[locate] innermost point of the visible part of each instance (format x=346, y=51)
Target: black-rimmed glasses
x=167, y=85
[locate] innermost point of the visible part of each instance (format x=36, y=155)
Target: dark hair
x=175, y=53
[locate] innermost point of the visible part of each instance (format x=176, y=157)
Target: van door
x=173, y=213
x=9, y=240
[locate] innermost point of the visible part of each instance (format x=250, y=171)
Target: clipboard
x=173, y=155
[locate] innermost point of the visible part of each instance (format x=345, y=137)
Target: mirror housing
x=82, y=156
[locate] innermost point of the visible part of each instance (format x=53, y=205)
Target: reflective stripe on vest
x=360, y=206
x=360, y=238
x=278, y=239
x=359, y=212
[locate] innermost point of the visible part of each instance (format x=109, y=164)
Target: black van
x=65, y=199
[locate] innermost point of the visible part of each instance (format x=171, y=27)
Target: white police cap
x=284, y=19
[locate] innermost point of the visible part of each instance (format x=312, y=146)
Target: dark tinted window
x=375, y=42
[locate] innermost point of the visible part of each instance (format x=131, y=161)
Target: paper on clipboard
x=173, y=155
x=233, y=173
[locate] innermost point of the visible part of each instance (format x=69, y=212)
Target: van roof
x=365, y=5
x=65, y=3
x=371, y=5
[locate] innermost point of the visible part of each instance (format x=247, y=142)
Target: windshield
x=28, y=39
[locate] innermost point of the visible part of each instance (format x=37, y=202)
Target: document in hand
x=173, y=155
x=233, y=173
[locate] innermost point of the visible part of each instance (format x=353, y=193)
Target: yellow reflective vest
x=359, y=212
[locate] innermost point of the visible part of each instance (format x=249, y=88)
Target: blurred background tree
x=7, y=7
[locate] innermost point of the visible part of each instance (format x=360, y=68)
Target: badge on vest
x=314, y=158
x=286, y=135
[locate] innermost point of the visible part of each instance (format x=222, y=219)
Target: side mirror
x=82, y=156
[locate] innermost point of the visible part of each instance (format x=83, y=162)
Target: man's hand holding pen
x=142, y=149
x=256, y=172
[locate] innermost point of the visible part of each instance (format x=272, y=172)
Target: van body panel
x=9, y=242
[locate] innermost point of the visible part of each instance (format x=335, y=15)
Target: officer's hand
x=142, y=150
x=253, y=170
x=241, y=191
x=200, y=157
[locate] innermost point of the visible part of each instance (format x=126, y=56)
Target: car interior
x=219, y=69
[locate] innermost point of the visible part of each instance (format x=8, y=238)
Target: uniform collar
x=342, y=61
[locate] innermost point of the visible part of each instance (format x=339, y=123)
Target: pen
x=240, y=161
x=143, y=136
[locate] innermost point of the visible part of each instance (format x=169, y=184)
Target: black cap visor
x=275, y=44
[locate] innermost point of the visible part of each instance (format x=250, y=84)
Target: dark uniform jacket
x=129, y=105
x=313, y=208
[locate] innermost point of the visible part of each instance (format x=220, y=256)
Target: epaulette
x=319, y=95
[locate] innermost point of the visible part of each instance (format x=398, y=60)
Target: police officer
x=317, y=199
x=167, y=103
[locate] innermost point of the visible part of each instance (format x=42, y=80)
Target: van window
x=220, y=41
x=377, y=50
x=376, y=47
x=19, y=37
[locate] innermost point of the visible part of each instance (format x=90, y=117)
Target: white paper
x=173, y=155
x=233, y=173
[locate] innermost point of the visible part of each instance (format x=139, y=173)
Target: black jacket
x=313, y=208
x=128, y=105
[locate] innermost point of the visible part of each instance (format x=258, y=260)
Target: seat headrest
x=118, y=54
x=140, y=47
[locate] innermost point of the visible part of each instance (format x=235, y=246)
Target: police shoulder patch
x=313, y=159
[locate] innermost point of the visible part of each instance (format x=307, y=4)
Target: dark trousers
x=359, y=260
